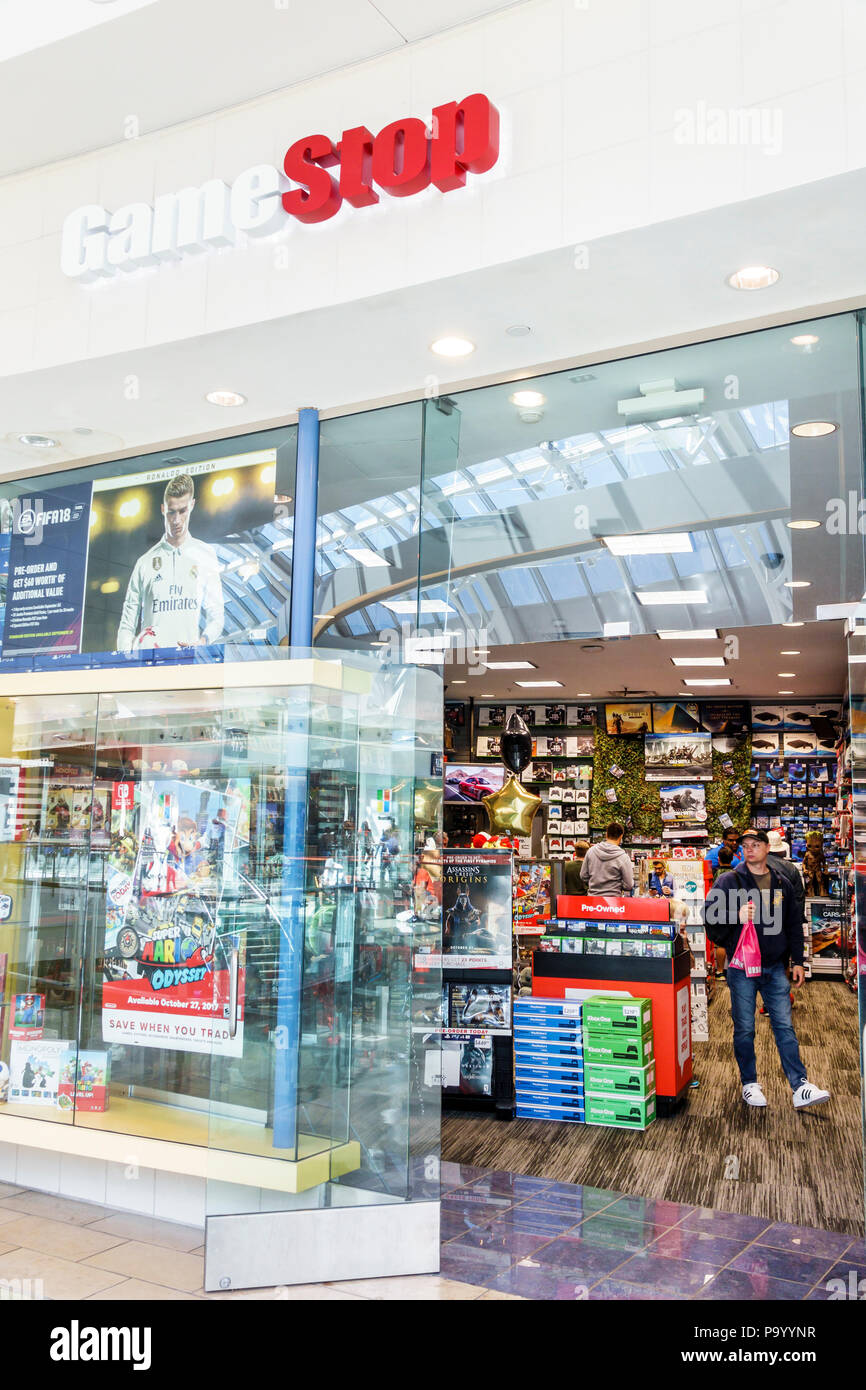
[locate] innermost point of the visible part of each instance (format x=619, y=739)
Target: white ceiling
x=647, y=285
x=644, y=664
x=76, y=70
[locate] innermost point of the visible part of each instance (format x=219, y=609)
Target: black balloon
x=516, y=745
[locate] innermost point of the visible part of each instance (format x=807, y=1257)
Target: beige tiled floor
x=83, y=1251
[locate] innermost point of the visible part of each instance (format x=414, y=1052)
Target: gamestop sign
x=317, y=177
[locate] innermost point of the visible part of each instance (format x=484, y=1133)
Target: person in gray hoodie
x=607, y=869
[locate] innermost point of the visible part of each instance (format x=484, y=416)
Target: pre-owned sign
x=404, y=158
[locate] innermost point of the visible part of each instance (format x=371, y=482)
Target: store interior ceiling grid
x=642, y=665
x=168, y=61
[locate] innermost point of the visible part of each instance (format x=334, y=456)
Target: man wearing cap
x=756, y=890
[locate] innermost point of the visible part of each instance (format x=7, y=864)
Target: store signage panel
x=47, y=571
x=318, y=175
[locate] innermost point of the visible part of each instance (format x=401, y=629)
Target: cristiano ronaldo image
x=174, y=596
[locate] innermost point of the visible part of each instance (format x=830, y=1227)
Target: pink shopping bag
x=747, y=956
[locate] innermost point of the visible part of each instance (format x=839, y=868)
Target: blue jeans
x=776, y=994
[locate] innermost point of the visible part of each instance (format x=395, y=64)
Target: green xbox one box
x=623, y=1112
x=618, y=1048
x=609, y=1080
x=617, y=1013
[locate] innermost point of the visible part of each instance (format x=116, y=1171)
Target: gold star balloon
x=511, y=808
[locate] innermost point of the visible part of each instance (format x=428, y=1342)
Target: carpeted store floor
x=801, y=1167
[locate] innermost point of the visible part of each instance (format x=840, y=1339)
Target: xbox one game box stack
x=548, y=1059
x=619, y=1063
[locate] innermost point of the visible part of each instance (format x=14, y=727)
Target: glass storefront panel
x=55, y=816
x=213, y=906
x=699, y=440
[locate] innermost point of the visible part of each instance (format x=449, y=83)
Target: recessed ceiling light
x=518, y=330
x=511, y=666
x=802, y=525
x=225, y=398
x=617, y=629
x=789, y=653
x=37, y=441
x=452, y=347
x=456, y=682
x=798, y=583
x=697, y=634
x=584, y=695
x=813, y=429
x=786, y=692
x=659, y=544
x=786, y=675
x=719, y=681
x=753, y=277
x=805, y=340
x=540, y=685
x=698, y=660
x=793, y=624
x=488, y=695
x=527, y=400
x=670, y=596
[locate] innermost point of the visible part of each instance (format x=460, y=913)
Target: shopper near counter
x=575, y=884
x=730, y=840
x=757, y=891
x=607, y=869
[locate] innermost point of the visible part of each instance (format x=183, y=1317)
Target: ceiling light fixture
x=786, y=692
x=511, y=666
x=753, y=277
x=805, y=340
x=227, y=398
x=518, y=330
x=658, y=544
x=540, y=685
x=793, y=624
x=719, y=681
x=789, y=653
x=786, y=675
x=617, y=629
x=456, y=682
x=698, y=660
x=697, y=634
x=452, y=347
x=530, y=405
x=813, y=429
x=37, y=441
x=670, y=596
x=424, y=605
x=368, y=558
x=798, y=583
x=803, y=525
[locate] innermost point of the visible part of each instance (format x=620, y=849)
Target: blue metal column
x=290, y=979
x=304, y=542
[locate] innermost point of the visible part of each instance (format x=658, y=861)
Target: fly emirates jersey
x=176, y=592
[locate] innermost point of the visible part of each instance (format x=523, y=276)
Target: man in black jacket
x=758, y=891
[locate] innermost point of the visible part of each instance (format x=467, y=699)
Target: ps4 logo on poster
x=403, y=159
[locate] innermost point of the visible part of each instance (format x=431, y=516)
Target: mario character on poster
x=166, y=964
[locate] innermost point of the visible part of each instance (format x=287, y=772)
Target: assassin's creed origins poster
x=476, y=909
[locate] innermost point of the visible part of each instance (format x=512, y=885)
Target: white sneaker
x=753, y=1095
x=809, y=1095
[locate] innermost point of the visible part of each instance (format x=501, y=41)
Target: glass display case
x=213, y=902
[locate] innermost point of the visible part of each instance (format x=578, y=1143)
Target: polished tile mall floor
x=503, y=1236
